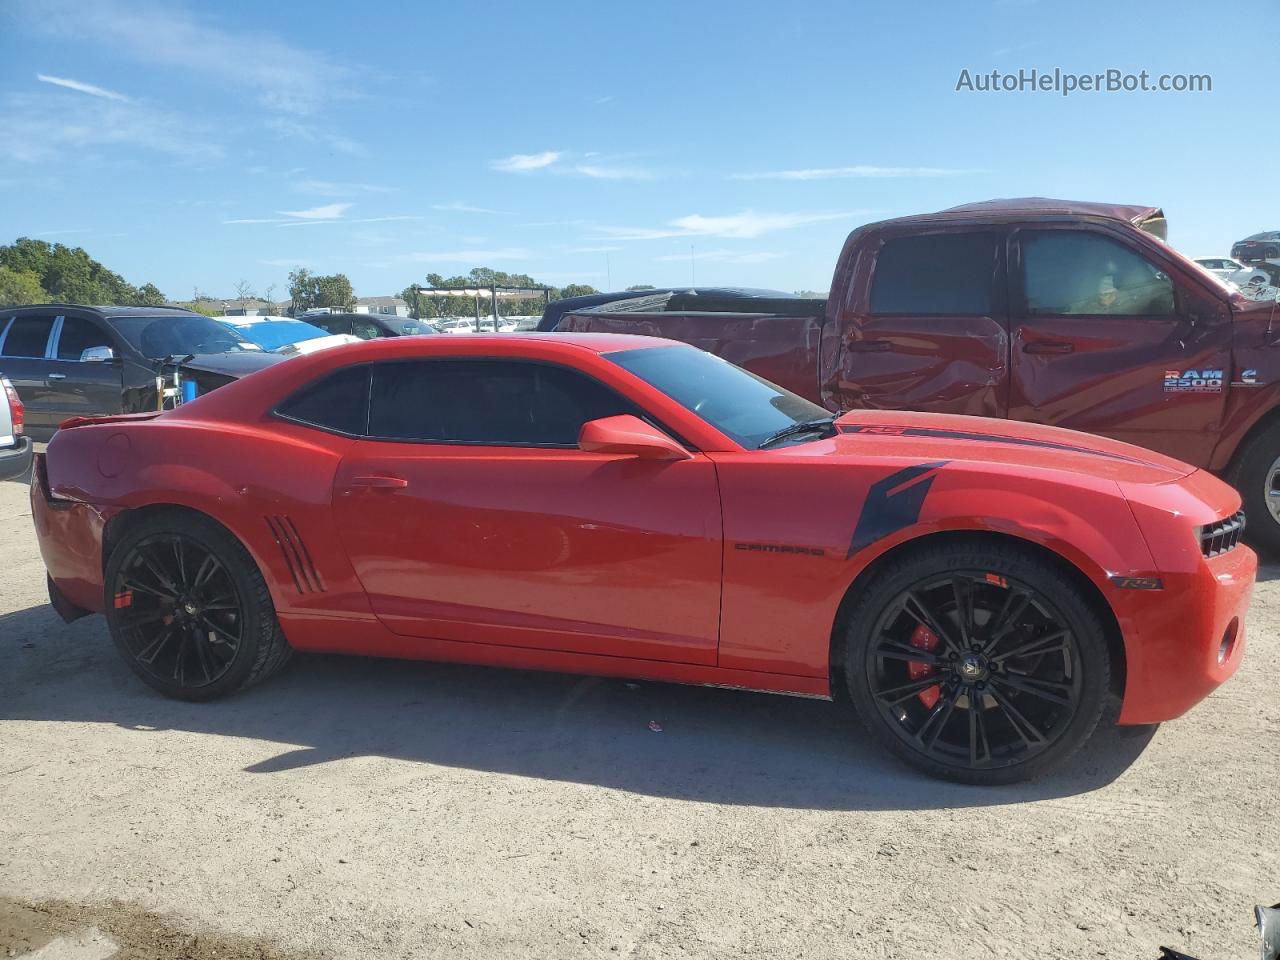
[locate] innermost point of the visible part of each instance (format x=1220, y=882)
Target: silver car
x=15, y=446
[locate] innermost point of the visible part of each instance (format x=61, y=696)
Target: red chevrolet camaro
x=982, y=592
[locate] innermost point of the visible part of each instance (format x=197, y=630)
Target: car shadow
x=714, y=745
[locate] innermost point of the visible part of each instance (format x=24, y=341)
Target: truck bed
x=778, y=339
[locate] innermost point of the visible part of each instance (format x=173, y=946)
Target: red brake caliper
x=924, y=639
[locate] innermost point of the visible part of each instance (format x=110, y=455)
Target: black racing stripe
x=894, y=431
x=892, y=503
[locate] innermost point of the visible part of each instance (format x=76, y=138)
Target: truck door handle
x=1048, y=346
x=57, y=376
x=869, y=346
x=380, y=482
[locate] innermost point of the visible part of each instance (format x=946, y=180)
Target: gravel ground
x=354, y=808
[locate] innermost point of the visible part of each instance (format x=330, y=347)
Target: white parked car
x=1233, y=270
x=15, y=446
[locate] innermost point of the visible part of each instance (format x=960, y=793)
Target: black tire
x=196, y=628
x=1021, y=677
x=1251, y=476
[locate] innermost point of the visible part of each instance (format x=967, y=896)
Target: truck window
x=1073, y=272
x=943, y=274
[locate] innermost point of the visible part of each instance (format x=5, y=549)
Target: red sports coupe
x=983, y=592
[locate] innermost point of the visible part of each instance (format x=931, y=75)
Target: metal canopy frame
x=494, y=292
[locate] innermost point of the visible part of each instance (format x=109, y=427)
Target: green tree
x=577, y=290
x=20, y=287
x=642, y=286
x=69, y=274
x=313, y=290
x=149, y=295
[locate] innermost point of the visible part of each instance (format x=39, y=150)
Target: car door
x=80, y=387
x=1115, y=339
x=24, y=360
x=469, y=514
x=927, y=329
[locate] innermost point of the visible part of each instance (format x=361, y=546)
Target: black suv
x=368, y=326
x=67, y=360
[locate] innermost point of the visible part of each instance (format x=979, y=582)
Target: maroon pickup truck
x=1071, y=314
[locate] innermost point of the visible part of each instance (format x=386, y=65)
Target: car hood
x=932, y=436
x=237, y=365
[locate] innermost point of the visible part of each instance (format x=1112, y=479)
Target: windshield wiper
x=796, y=429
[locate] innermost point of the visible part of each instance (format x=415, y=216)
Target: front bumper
x=15, y=461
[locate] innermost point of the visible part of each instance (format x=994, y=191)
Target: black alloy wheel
x=978, y=668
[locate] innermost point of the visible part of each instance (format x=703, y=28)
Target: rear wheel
x=1256, y=476
x=975, y=662
x=189, y=610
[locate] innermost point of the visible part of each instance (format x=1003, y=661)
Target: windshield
x=273, y=334
x=406, y=326
x=746, y=408
x=156, y=337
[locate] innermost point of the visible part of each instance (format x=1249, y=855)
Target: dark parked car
x=68, y=361
x=369, y=326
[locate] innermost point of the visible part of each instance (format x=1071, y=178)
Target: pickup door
x=923, y=326
x=1112, y=337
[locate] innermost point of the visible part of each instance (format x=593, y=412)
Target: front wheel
x=188, y=608
x=1256, y=476
x=977, y=662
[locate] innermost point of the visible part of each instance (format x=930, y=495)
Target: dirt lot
x=362, y=808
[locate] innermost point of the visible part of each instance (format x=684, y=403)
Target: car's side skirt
x=367, y=637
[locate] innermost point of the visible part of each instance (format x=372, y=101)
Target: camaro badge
x=1193, y=381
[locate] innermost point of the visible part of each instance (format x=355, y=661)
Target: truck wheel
x=977, y=662
x=1256, y=475
x=189, y=610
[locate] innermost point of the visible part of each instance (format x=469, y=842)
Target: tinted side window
x=486, y=401
x=77, y=336
x=365, y=329
x=28, y=337
x=338, y=402
x=939, y=274
x=1071, y=272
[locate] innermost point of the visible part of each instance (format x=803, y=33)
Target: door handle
x=380, y=482
x=56, y=376
x=1048, y=346
x=868, y=346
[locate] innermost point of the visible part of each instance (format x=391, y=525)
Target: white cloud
x=51, y=233
x=308, y=133
x=330, y=188
x=322, y=222
x=282, y=76
x=47, y=127
x=286, y=262
x=330, y=211
x=600, y=172
x=469, y=256
x=742, y=226
x=847, y=173
x=88, y=88
x=524, y=162
x=459, y=207
x=724, y=256
x=594, y=249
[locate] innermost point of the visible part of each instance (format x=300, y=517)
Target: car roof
x=116, y=311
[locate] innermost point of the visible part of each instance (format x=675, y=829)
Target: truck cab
x=1071, y=314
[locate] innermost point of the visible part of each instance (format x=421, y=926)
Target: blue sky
x=201, y=144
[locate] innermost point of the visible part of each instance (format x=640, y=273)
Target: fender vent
x=296, y=556
x=1216, y=538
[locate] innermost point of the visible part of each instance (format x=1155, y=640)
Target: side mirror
x=97, y=355
x=629, y=435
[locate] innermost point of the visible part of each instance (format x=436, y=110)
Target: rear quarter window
x=940, y=274
x=338, y=402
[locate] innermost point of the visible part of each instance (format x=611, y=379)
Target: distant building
x=388, y=306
